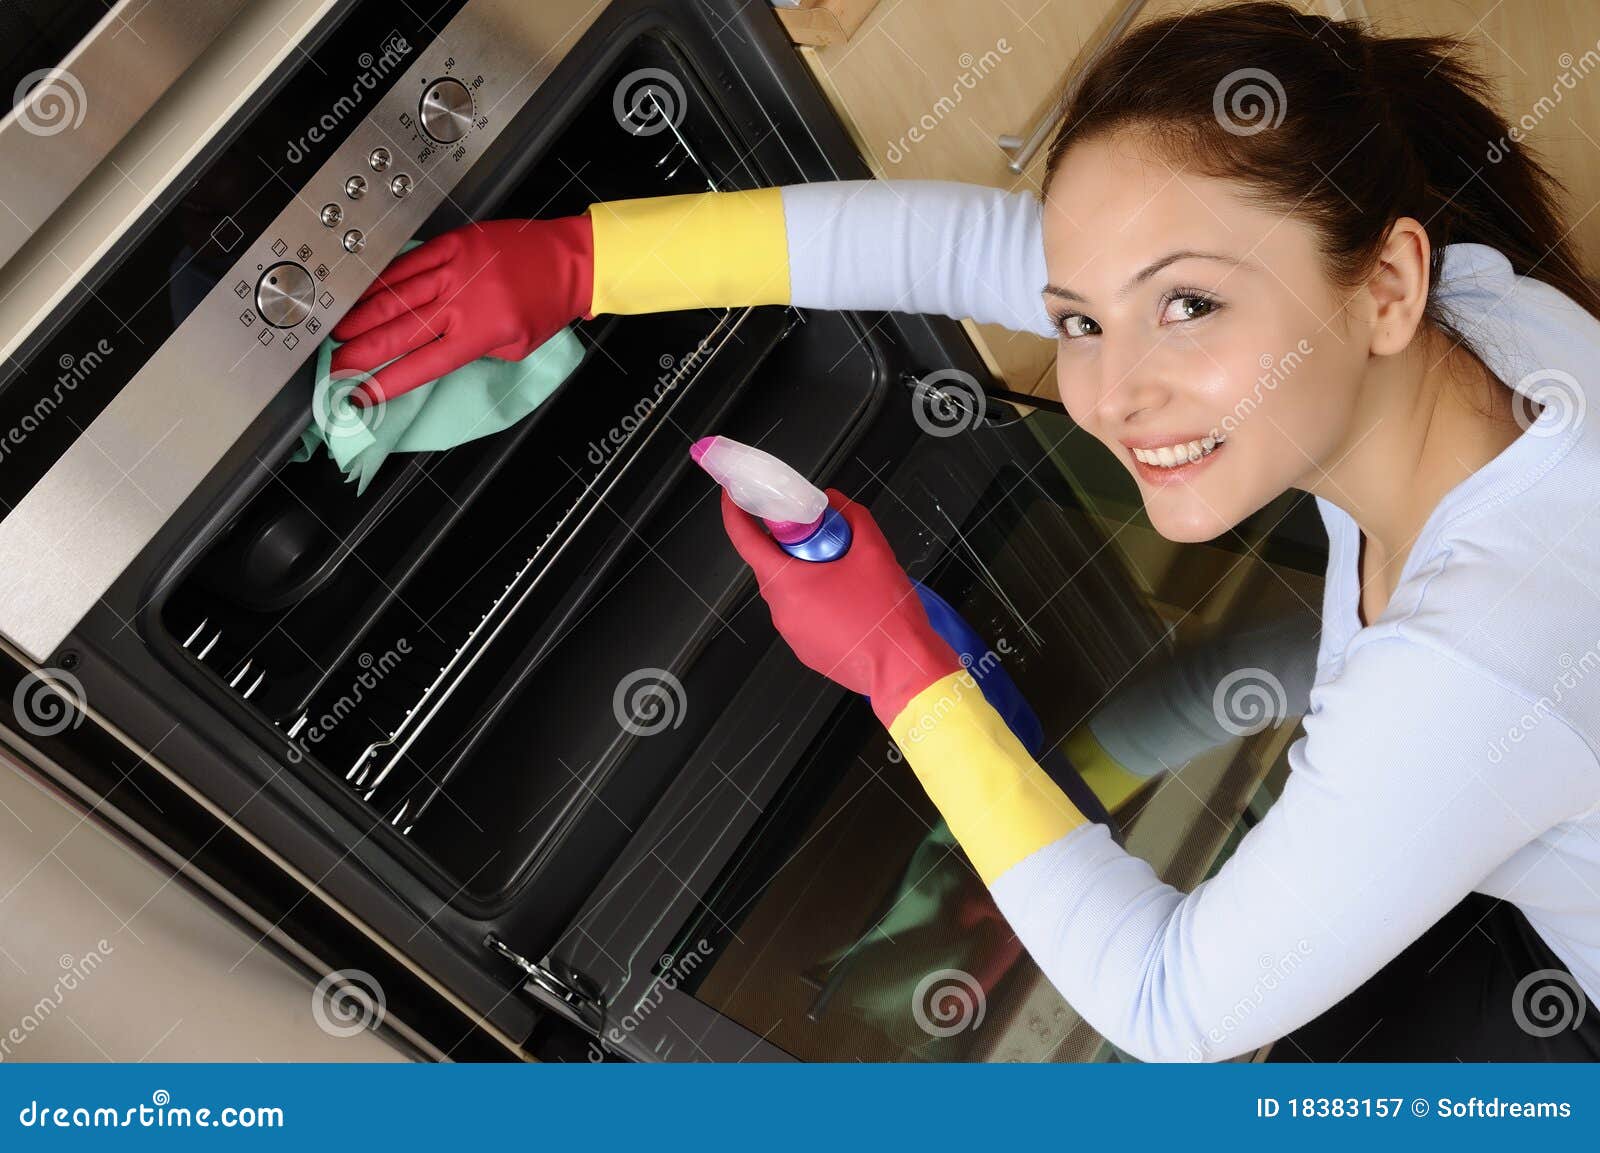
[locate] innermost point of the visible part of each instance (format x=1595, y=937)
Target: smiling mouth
x=1176, y=456
x=1172, y=463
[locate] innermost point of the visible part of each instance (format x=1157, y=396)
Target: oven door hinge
x=560, y=987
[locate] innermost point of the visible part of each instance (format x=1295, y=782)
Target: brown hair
x=1347, y=130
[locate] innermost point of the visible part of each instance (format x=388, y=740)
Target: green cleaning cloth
x=477, y=399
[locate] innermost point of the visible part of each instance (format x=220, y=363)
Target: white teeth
x=1170, y=456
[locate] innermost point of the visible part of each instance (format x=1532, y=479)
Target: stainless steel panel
x=78, y=113
x=108, y=495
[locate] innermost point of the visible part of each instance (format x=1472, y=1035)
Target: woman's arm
x=1404, y=793
x=504, y=287
x=1393, y=811
x=933, y=246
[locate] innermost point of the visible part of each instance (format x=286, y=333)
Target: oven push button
x=284, y=294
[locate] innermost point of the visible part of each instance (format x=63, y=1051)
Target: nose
x=1128, y=381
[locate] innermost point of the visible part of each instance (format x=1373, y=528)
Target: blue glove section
x=1006, y=699
x=998, y=688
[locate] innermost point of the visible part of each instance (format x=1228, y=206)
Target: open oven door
x=796, y=895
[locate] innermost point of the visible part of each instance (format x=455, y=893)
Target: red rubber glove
x=855, y=620
x=490, y=288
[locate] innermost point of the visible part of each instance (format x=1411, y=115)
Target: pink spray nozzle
x=763, y=486
x=789, y=531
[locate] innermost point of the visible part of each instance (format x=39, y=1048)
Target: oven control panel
x=293, y=296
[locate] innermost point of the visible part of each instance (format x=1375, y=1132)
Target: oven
x=507, y=744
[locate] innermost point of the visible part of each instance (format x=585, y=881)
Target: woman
x=1228, y=188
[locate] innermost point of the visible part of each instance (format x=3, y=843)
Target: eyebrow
x=1150, y=270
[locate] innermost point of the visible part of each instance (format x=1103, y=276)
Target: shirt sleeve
x=932, y=246
x=1403, y=794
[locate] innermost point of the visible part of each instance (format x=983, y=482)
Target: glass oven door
x=797, y=896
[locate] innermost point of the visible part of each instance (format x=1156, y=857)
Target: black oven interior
x=443, y=652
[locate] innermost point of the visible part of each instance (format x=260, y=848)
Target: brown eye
x=1188, y=306
x=1075, y=325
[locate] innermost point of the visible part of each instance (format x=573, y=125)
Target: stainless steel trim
x=79, y=112
x=15, y=746
x=1023, y=150
x=111, y=492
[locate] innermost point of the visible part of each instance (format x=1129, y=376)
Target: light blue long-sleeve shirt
x=1449, y=746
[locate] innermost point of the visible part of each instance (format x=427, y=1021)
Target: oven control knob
x=446, y=110
x=284, y=294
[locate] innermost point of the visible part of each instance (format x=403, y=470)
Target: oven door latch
x=559, y=987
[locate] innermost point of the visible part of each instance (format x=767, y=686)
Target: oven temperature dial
x=446, y=110
x=284, y=294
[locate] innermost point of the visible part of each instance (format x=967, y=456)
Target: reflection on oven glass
x=852, y=927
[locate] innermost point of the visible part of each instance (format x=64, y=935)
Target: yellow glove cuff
x=696, y=250
x=997, y=801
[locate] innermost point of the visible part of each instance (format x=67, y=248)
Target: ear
x=1398, y=287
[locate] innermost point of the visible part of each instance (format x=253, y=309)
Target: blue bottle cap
x=830, y=541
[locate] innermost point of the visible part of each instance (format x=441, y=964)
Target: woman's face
x=1185, y=312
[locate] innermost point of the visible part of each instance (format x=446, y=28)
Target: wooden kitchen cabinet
x=1543, y=57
